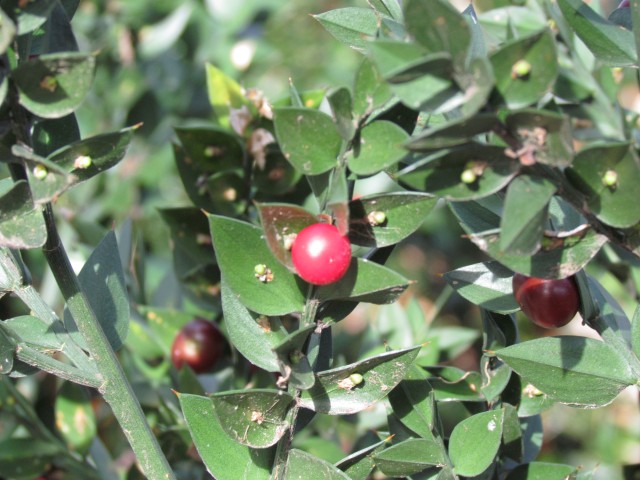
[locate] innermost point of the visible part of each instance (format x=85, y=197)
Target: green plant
x=199, y=344
x=502, y=118
x=321, y=254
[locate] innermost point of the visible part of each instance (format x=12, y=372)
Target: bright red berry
x=320, y=254
x=547, y=303
x=198, y=344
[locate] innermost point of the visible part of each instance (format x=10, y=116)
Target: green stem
x=116, y=390
x=284, y=445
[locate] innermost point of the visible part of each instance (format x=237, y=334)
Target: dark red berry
x=198, y=344
x=547, y=303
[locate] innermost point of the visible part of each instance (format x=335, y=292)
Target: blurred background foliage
x=151, y=69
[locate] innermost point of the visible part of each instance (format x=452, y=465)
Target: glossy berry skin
x=198, y=344
x=320, y=254
x=547, y=303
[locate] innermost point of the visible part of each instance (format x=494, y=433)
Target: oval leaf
x=102, y=280
x=486, y=284
x=615, y=205
x=278, y=296
x=224, y=459
x=573, y=370
x=255, y=418
x=381, y=146
x=335, y=393
x=366, y=281
x=253, y=335
x=474, y=442
x=404, y=213
x=300, y=465
x=539, y=53
x=308, y=138
x=442, y=175
x=54, y=85
x=612, y=45
x=409, y=457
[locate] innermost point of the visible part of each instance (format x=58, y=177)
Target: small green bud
x=356, y=378
x=260, y=269
x=377, y=218
x=520, y=69
x=40, y=172
x=82, y=162
x=468, y=176
x=610, y=178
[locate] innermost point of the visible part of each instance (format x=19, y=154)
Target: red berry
x=547, y=303
x=198, y=344
x=320, y=254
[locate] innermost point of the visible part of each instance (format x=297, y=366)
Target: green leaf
x=413, y=402
x=541, y=471
x=404, y=212
x=352, y=26
x=308, y=138
x=7, y=32
x=559, y=257
x=156, y=38
x=281, y=295
x=22, y=224
x=53, y=134
x=204, y=153
x=547, y=134
x=635, y=331
x=486, y=284
x=612, y=45
x=380, y=147
x=102, y=280
x=341, y=108
x=525, y=214
x=31, y=15
x=300, y=465
x=370, y=91
x=439, y=27
x=34, y=332
x=538, y=52
x=91, y=156
x=26, y=458
x=75, y=419
x=255, y=418
x=410, y=457
x=365, y=281
x=255, y=336
x=573, y=370
x=453, y=133
x=7, y=350
x=225, y=94
x=358, y=465
x=474, y=442
x=54, y=85
x=334, y=392
x=615, y=204
x=280, y=220
x=224, y=459
x=442, y=173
